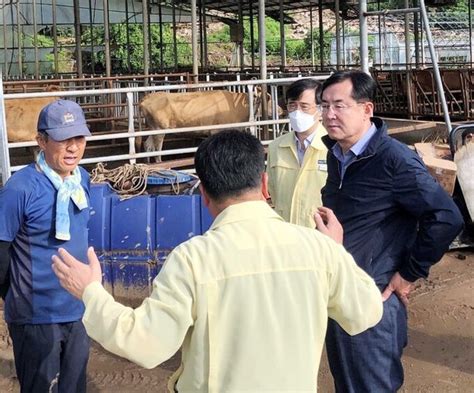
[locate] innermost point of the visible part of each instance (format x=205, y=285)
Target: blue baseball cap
x=63, y=119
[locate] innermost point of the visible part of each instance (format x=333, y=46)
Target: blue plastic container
x=178, y=218
x=133, y=237
x=132, y=224
x=169, y=177
x=99, y=222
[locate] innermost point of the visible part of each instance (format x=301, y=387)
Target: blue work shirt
x=27, y=211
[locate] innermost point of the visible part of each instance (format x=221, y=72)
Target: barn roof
x=348, y=8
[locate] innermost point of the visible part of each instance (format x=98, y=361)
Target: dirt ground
x=439, y=357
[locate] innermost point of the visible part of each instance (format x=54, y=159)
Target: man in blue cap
x=44, y=206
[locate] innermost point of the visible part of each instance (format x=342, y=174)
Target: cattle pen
x=131, y=97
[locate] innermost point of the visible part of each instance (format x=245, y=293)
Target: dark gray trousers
x=369, y=362
x=50, y=358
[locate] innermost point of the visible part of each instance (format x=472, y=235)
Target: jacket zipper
x=356, y=160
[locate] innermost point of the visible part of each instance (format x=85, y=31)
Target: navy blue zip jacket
x=395, y=215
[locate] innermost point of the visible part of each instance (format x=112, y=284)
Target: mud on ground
x=439, y=357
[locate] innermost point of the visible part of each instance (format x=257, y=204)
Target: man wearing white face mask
x=296, y=161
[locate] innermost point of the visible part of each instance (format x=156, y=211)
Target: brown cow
x=203, y=108
x=22, y=117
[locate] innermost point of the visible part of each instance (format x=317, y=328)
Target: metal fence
x=122, y=105
x=413, y=94
x=391, y=36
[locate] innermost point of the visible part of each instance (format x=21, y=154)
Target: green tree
x=65, y=50
x=123, y=51
x=272, y=36
x=327, y=38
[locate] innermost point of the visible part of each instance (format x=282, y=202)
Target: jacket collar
x=245, y=211
x=374, y=142
x=288, y=140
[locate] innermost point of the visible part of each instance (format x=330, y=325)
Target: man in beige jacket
x=248, y=301
x=296, y=161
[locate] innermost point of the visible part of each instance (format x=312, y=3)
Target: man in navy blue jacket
x=397, y=222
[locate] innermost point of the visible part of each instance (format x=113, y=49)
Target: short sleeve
x=12, y=209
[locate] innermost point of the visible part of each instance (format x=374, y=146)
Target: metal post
x=470, y=32
x=35, y=41
x=263, y=63
x=77, y=35
x=194, y=34
x=407, y=37
x=364, y=44
x=162, y=52
x=252, y=34
x=127, y=27
x=338, y=36
x=434, y=61
x=344, y=62
x=108, y=67
x=19, y=39
x=55, y=37
x=200, y=29
x=146, y=54
x=275, y=116
x=4, y=154
x=381, y=59
x=253, y=128
x=423, y=54
x=313, y=63
x=408, y=61
x=240, y=43
x=175, y=43
x=416, y=23
x=282, y=38
x=262, y=40
x=205, y=59
x=5, y=46
x=91, y=27
x=321, y=34
x=131, y=126
x=148, y=27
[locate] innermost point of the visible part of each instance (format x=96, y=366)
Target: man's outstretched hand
x=74, y=275
x=327, y=223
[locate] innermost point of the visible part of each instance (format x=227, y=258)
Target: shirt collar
x=358, y=148
x=307, y=141
x=288, y=140
x=243, y=212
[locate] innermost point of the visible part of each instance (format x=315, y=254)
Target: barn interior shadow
x=450, y=351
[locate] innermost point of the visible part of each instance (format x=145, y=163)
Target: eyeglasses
x=305, y=107
x=339, y=107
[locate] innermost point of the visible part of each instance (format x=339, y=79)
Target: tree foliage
x=127, y=49
x=326, y=42
x=296, y=49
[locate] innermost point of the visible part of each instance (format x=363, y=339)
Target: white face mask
x=300, y=121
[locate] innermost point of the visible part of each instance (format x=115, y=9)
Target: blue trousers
x=369, y=362
x=50, y=357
